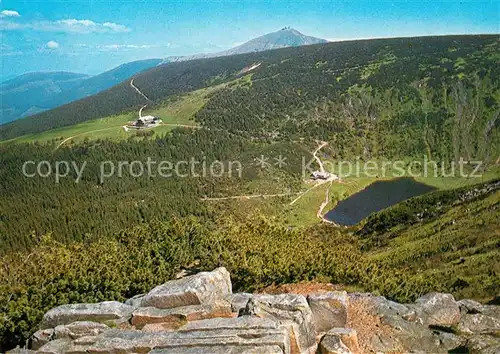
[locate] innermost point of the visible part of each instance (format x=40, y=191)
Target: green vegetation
x=378, y=100
x=455, y=250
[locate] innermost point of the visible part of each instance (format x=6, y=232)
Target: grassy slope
x=458, y=251
x=178, y=111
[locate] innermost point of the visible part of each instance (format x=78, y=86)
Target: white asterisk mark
x=262, y=161
x=280, y=161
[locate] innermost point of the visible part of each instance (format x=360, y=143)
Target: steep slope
x=29, y=92
x=103, y=81
x=361, y=92
x=44, y=97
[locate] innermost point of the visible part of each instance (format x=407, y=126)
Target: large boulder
x=288, y=309
x=438, y=309
x=200, y=289
x=99, y=312
x=329, y=310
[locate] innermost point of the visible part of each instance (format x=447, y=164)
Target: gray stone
x=222, y=349
x=250, y=335
x=21, y=351
x=60, y=346
x=239, y=323
x=79, y=329
x=100, y=312
x=135, y=301
x=470, y=306
x=288, y=309
x=479, y=324
x=137, y=341
x=450, y=341
x=329, y=310
x=238, y=301
x=340, y=341
x=483, y=345
x=41, y=337
x=438, y=309
x=202, y=288
x=147, y=315
x=404, y=331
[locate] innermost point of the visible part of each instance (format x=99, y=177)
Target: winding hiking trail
x=315, y=155
x=322, y=169
x=77, y=135
x=140, y=111
x=138, y=91
x=251, y=196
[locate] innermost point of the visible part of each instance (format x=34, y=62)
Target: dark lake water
x=375, y=197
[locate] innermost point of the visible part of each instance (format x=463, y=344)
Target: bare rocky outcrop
x=199, y=314
x=203, y=288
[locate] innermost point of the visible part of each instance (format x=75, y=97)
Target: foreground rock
x=329, y=310
x=200, y=315
x=100, y=312
x=289, y=310
x=340, y=341
x=203, y=288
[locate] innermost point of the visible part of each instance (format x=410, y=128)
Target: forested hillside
x=444, y=87
x=450, y=252
x=25, y=94
x=84, y=238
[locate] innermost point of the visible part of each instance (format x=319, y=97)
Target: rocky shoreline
x=199, y=314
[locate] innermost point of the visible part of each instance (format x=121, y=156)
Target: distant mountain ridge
x=29, y=92
x=286, y=37
x=34, y=93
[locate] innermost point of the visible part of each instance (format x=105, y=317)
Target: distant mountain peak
x=285, y=37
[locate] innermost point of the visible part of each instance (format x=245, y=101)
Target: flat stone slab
x=79, y=329
x=139, y=341
x=179, y=315
x=99, y=312
x=203, y=288
x=222, y=349
x=246, y=333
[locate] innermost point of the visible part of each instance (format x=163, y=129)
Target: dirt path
x=140, y=111
x=315, y=155
x=322, y=169
x=182, y=125
x=137, y=90
x=77, y=135
x=250, y=196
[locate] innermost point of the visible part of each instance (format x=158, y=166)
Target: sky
x=92, y=36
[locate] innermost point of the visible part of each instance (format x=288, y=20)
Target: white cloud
x=116, y=27
x=9, y=13
x=127, y=46
x=52, y=45
x=67, y=25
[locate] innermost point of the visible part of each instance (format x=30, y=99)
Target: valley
x=314, y=132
